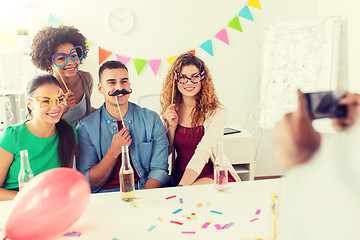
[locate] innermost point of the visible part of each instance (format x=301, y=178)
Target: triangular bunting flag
x=154, y=64
x=171, y=59
x=192, y=51
x=222, y=35
x=6, y=39
x=235, y=24
x=245, y=13
x=124, y=60
x=207, y=46
x=88, y=44
x=254, y=3
x=139, y=65
x=103, y=54
x=53, y=21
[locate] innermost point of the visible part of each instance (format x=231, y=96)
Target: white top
x=76, y=112
x=206, y=149
x=321, y=199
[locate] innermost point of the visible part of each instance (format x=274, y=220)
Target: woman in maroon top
x=194, y=119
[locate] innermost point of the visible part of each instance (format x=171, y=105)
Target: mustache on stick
x=118, y=92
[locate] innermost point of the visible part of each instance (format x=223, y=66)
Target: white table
x=107, y=217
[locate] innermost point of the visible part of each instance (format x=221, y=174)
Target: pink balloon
x=49, y=204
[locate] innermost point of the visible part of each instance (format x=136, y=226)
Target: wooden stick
x=122, y=120
x=172, y=93
x=67, y=89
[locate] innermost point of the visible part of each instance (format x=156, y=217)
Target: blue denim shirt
x=148, y=149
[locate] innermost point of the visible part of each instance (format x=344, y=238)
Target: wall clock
x=120, y=20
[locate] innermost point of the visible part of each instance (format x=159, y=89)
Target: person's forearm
x=189, y=177
x=7, y=194
x=152, y=183
x=171, y=136
x=101, y=171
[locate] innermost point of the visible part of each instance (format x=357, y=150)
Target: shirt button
x=113, y=120
x=108, y=121
x=129, y=121
x=114, y=128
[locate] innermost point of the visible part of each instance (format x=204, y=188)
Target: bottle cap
x=23, y=152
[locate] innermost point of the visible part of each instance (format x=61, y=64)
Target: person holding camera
x=320, y=193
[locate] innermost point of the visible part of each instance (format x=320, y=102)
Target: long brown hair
x=67, y=139
x=206, y=100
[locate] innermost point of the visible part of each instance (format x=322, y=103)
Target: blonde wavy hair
x=206, y=100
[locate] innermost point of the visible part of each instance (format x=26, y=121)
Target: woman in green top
x=50, y=141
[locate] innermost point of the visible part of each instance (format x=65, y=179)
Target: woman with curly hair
x=59, y=51
x=194, y=119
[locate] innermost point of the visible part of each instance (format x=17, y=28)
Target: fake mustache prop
x=118, y=92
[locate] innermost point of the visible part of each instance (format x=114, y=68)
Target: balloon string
x=62, y=80
x=118, y=106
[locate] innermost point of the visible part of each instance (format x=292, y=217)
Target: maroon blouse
x=185, y=142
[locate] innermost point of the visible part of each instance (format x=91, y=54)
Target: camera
x=326, y=104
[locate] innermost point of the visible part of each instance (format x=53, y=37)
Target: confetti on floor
x=188, y=232
x=254, y=219
x=181, y=200
x=258, y=212
x=133, y=204
x=170, y=197
x=198, y=205
x=160, y=219
x=151, y=228
x=208, y=204
x=72, y=234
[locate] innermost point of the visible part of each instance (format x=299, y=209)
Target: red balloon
x=49, y=204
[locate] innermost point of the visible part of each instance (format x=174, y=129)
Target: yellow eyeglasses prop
x=46, y=100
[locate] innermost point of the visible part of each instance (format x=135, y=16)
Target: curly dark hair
x=47, y=40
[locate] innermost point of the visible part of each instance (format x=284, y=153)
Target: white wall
x=350, y=47
x=164, y=28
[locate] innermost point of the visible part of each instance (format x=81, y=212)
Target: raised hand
x=171, y=116
x=295, y=139
x=70, y=100
x=353, y=104
x=122, y=138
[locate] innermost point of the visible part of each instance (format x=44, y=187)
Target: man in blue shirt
x=102, y=134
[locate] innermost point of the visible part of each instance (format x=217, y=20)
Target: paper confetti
x=179, y=223
x=258, y=212
x=254, y=219
x=198, y=205
x=228, y=225
x=72, y=234
x=205, y=225
x=181, y=200
x=218, y=227
x=208, y=204
x=188, y=232
x=175, y=212
x=216, y=212
x=170, y=197
x=151, y=228
x=159, y=218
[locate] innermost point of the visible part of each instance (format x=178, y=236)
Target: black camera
x=326, y=104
